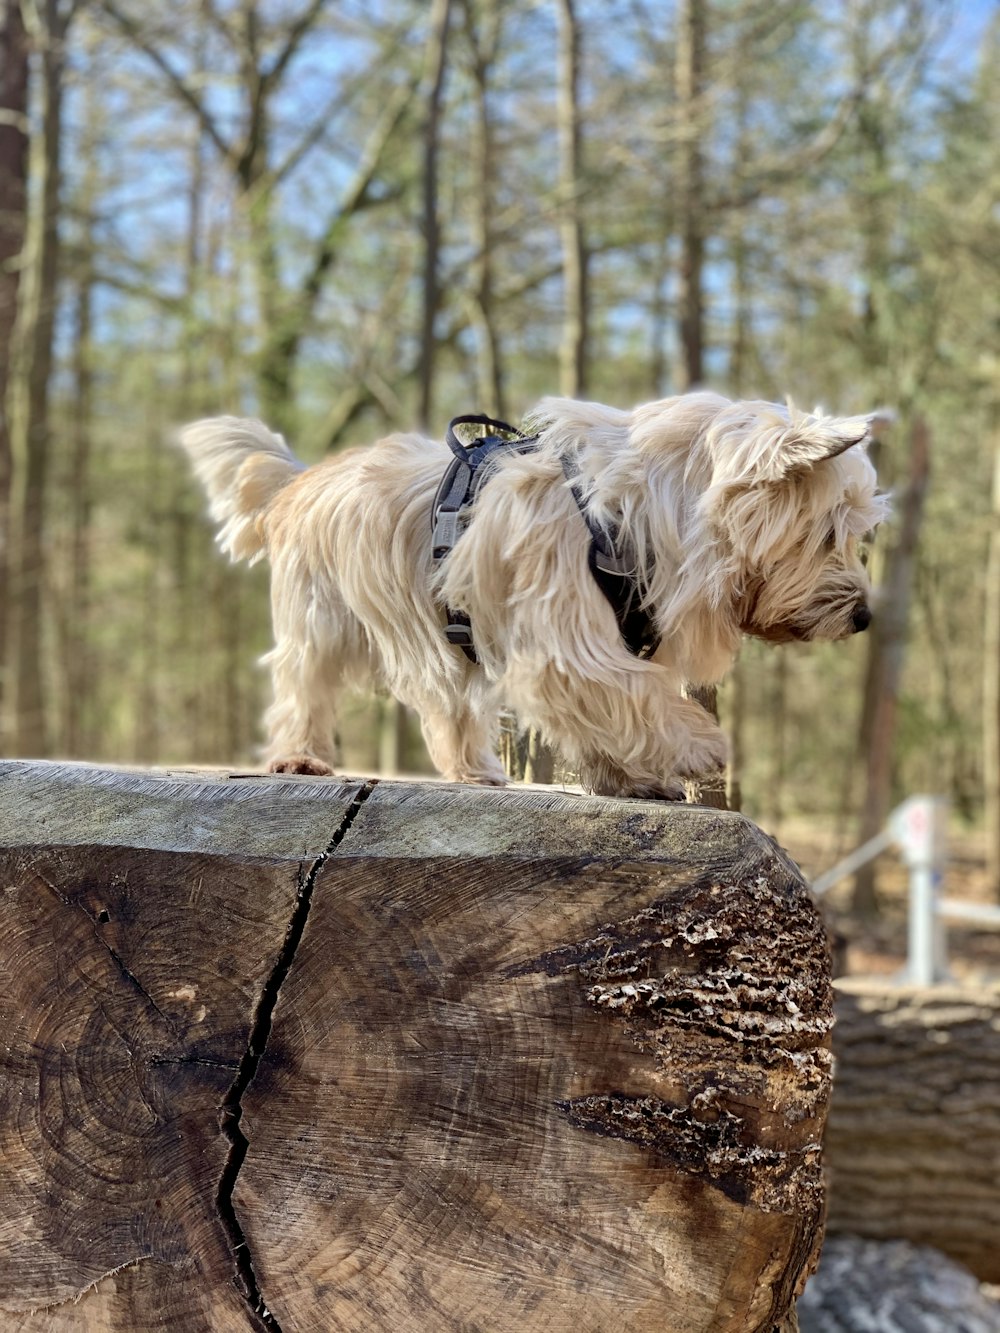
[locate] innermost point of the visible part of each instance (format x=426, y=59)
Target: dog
x=739, y=517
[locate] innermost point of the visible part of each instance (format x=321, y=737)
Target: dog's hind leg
x=301, y=721
x=460, y=745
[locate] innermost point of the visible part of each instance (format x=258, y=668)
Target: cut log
x=319, y=1054
x=913, y=1141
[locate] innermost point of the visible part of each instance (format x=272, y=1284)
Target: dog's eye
x=830, y=543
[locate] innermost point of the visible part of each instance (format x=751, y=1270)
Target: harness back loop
x=456, y=493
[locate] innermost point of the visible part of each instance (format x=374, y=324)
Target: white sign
x=917, y=827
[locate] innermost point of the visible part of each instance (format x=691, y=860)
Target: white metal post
x=919, y=827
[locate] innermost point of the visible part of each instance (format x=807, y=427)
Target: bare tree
x=434, y=73
x=258, y=170
x=991, y=686
x=886, y=651
x=47, y=23
x=13, y=194
x=690, y=82
x=574, y=350
x=482, y=31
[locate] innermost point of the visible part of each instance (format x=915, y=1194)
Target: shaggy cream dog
x=739, y=518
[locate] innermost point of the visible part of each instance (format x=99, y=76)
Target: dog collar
x=610, y=562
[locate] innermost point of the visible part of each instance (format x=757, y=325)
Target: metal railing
x=918, y=829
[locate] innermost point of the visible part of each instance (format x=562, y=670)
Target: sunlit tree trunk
x=482, y=26
x=574, y=349
x=690, y=79
x=887, y=647
x=777, y=735
x=47, y=24
x=392, y=716
x=13, y=178
x=574, y=352
x=78, y=738
x=436, y=65
x=991, y=687
x=739, y=351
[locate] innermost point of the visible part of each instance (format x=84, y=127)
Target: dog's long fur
x=744, y=517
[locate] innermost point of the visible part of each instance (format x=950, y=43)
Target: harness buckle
x=459, y=635
x=448, y=527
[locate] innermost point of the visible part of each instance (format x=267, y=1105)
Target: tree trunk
x=311, y=1054
x=913, y=1139
x=77, y=737
x=991, y=687
x=736, y=730
x=437, y=54
x=36, y=338
x=778, y=732
x=886, y=649
x=489, y=354
x=711, y=789
x=690, y=75
x=13, y=195
x=574, y=349
x=573, y=354
x=147, y=737
x=392, y=733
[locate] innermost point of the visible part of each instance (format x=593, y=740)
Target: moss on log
x=312, y=1055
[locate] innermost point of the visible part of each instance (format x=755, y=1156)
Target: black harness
x=611, y=564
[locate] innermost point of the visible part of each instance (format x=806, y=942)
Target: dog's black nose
x=862, y=618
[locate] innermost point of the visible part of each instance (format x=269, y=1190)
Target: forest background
x=360, y=216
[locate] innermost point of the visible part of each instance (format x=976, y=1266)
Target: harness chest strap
x=610, y=565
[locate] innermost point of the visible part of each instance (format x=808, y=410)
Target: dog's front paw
x=703, y=756
x=479, y=777
x=662, y=791
x=301, y=763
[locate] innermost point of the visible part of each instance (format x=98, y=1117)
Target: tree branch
x=178, y=84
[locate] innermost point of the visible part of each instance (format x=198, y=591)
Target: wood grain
x=542, y=1064
x=496, y=1060
x=129, y=980
x=914, y=1133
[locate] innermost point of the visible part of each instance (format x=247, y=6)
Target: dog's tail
x=242, y=466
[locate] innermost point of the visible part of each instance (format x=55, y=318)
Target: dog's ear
x=814, y=439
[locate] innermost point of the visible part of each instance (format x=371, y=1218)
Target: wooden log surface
x=308, y=1054
x=913, y=1140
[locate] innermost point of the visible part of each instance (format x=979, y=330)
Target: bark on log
x=315, y=1055
x=913, y=1139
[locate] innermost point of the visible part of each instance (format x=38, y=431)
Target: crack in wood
x=231, y=1110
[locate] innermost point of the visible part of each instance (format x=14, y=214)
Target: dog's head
x=790, y=499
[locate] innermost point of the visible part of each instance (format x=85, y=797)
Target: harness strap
x=456, y=493
x=613, y=567
x=611, y=563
